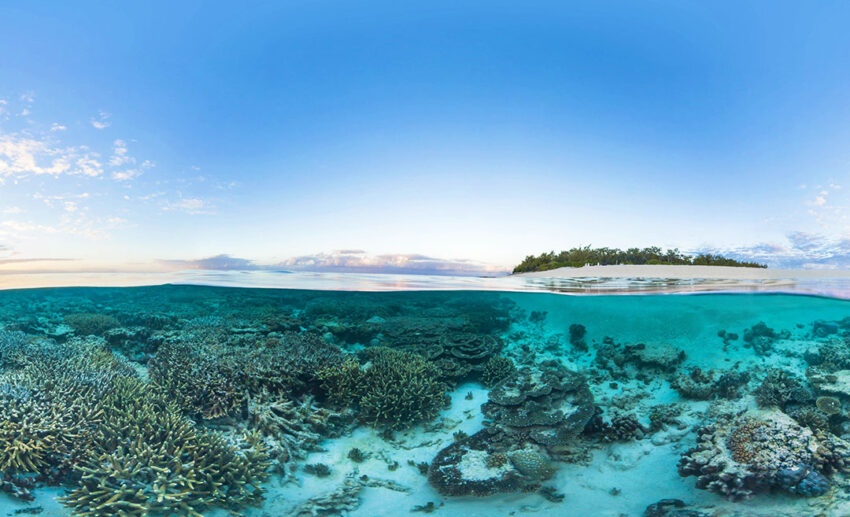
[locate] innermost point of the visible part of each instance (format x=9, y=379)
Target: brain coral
x=761, y=451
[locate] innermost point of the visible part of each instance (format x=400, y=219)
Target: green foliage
x=578, y=257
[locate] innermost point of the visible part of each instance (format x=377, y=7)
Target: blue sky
x=301, y=132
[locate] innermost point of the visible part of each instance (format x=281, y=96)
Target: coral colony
x=190, y=400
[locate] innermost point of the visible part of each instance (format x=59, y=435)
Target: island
x=587, y=256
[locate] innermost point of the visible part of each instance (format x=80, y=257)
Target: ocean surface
x=373, y=395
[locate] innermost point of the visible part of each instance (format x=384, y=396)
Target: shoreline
x=685, y=272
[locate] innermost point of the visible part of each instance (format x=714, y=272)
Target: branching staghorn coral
x=148, y=458
x=291, y=428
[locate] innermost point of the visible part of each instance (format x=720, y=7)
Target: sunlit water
x=432, y=366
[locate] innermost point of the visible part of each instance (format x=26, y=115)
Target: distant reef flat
x=685, y=272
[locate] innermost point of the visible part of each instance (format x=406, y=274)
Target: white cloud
x=121, y=158
x=801, y=250
x=119, y=154
x=101, y=121
x=57, y=127
x=13, y=210
x=360, y=261
x=28, y=97
x=192, y=206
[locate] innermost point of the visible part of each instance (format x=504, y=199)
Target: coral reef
x=699, y=384
x=761, y=338
x=497, y=369
x=577, y=333
x=621, y=428
x=292, y=428
x=638, y=359
x=782, y=389
x=148, y=458
x=757, y=452
x=546, y=404
x=830, y=356
x=394, y=390
x=91, y=323
x=399, y=390
x=474, y=466
x=344, y=499
x=829, y=405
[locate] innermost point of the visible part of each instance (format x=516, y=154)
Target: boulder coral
x=762, y=451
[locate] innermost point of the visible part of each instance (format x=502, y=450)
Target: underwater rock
x=699, y=384
x=822, y=328
x=546, y=404
x=638, y=358
x=836, y=383
x=760, y=451
x=761, y=338
x=476, y=466
x=830, y=356
x=577, y=333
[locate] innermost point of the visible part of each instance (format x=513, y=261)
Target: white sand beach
x=684, y=272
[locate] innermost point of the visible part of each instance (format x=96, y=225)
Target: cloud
x=121, y=159
x=360, y=261
x=221, y=262
x=348, y=261
x=803, y=250
x=192, y=206
x=23, y=155
x=101, y=121
x=36, y=259
x=119, y=154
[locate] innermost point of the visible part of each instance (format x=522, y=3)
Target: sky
x=438, y=136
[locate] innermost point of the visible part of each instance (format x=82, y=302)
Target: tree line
x=578, y=257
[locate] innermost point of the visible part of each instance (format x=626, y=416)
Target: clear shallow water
x=833, y=287
x=476, y=402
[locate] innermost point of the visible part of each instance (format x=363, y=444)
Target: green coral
x=89, y=323
x=497, y=369
x=196, y=381
x=400, y=390
x=394, y=390
x=149, y=458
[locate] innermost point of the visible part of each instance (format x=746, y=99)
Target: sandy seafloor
x=622, y=479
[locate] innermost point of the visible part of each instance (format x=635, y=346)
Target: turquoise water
x=190, y=400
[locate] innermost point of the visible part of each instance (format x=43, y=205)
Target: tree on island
x=578, y=257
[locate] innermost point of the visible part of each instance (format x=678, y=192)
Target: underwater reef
x=188, y=400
